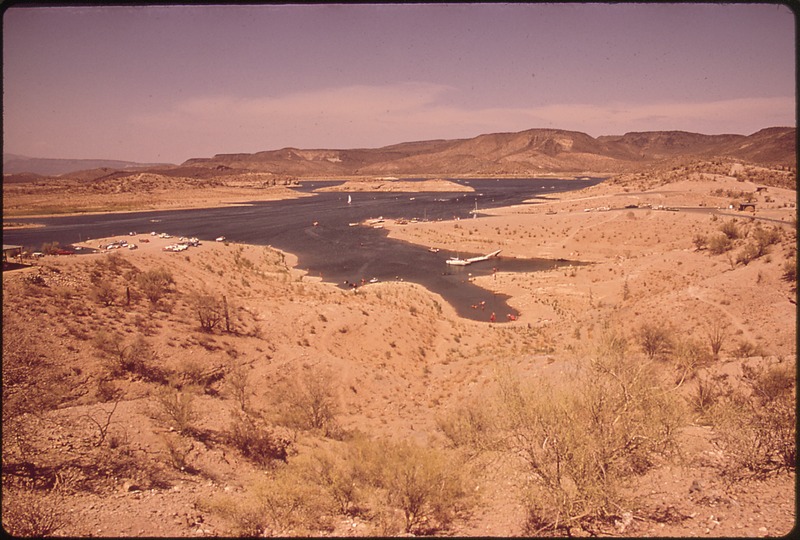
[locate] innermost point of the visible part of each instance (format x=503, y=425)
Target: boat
x=457, y=261
x=349, y=200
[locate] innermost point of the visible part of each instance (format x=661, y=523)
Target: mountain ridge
x=532, y=151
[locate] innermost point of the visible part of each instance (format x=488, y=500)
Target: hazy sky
x=169, y=83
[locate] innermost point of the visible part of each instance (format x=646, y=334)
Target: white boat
x=457, y=261
x=349, y=199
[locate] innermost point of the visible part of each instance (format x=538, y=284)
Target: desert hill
x=530, y=152
x=14, y=163
x=527, y=152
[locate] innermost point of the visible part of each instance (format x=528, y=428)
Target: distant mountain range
x=527, y=152
x=14, y=163
x=534, y=151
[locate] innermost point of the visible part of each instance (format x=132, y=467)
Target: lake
x=333, y=249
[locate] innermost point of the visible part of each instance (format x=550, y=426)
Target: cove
x=333, y=249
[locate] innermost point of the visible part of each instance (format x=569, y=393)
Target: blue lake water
x=333, y=249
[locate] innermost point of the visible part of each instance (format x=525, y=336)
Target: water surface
x=332, y=248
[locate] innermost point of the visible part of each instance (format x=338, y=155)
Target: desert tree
x=208, y=309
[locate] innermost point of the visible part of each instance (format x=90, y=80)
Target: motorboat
x=458, y=261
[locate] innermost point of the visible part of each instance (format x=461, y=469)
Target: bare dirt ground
x=400, y=358
x=138, y=192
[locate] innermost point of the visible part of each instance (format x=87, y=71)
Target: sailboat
x=349, y=199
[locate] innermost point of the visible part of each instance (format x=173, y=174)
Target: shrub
x=310, y=401
x=764, y=238
x=705, y=396
x=32, y=383
x=28, y=513
x=730, y=229
x=238, y=382
x=749, y=252
x=719, y=244
x=790, y=269
x=582, y=440
x=49, y=248
x=103, y=293
x=209, y=310
x=135, y=357
x=155, y=283
x=656, y=341
x=176, y=409
x=278, y=504
x=428, y=485
x=700, y=241
x=717, y=334
x=689, y=355
x=178, y=453
x=756, y=422
x=255, y=440
x=338, y=474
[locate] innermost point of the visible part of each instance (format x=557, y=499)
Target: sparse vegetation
x=310, y=411
x=155, y=284
x=655, y=340
x=580, y=442
x=176, y=409
x=310, y=401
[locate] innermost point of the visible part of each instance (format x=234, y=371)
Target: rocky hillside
x=527, y=152
x=534, y=151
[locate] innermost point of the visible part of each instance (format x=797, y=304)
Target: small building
x=11, y=251
x=745, y=205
